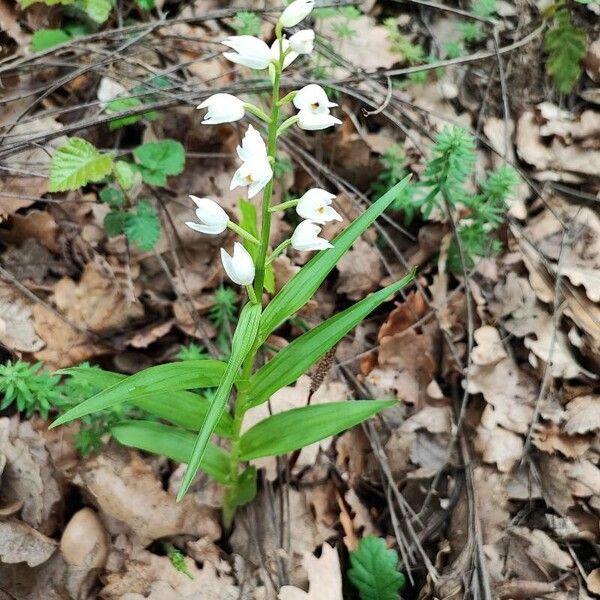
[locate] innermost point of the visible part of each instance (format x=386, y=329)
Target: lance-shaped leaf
x=301, y=288
x=243, y=340
x=164, y=379
x=171, y=442
x=299, y=427
x=297, y=357
x=181, y=408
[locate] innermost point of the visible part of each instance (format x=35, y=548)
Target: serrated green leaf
x=112, y=196
x=243, y=341
x=165, y=379
x=302, y=287
x=76, y=164
x=374, y=571
x=48, y=38
x=143, y=227
x=173, y=443
x=159, y=159
x=184, y=409
x=299, y=427
x=98, y=10
x=297, y=357
x=120, y=105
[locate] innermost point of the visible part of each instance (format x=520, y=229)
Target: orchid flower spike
x=249, y=51
x=222, y=108
x=303, y=41
x=295, y=12
x=255, y=171
x=213, y=219
x=239, y=267
x=306, y=237
x=315, y=205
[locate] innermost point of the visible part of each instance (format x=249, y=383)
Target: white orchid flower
x=255, y=173
x=315, y=205
x=303, y=41
x=249, y=51
x=313, y=98
x=290, y=57
x=314, y=121
x=213, y=219
x=252, y=146
x=240, y=266
x=222, y=108
x=306, y=237
x=295, y=12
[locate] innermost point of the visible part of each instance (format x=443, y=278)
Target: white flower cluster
x=256, y=170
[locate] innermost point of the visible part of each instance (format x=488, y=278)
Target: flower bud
x=239, y=267
x=315, y=205
x=296, y=12
x=249, y=51
x=213, y=219
x=222, y=108
x=306, y=237
x=303, y=41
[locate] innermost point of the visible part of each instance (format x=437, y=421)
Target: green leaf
x=146, y=4
x=297, y=357
x=120, y=105
x=302, y=287
x=242, y=343
x=245, y=490
x=26, y=3
x=98, y=10
x=159, y=159
x=114, y=222
x=374, y=571
x=48, y=38
x=126, y=175
x=76, y=164
x=299, y=427
x=143, y=226
x=565, y=45
x=249, y=222
x=112, y=196
x=173, y=443
x=163, y=379
x=185, y=409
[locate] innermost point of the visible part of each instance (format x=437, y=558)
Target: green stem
x=285, y=205
x=231, y=492
x=242, y=232
x=278, y=251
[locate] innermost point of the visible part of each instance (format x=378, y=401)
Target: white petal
x=252, y=146
x=296, y=12
x=306, y=237
x=239, y=267
x=314, y=98
x=250, y=51
x=210, y=213
x=310, y=121
x=208, y=229
x=302, y=42
x=291, y=56
x=222, y=108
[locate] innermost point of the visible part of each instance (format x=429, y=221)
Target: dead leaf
x=582, y=415
x=129, y=491
x=497, y=445
x=38, y=224
x=360, y=270
x=28, y=475
x=325, y=579
x=85, y=542
x=21, y=543
x=404, y=315
x=17, y=331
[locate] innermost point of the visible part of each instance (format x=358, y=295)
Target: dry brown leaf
x=325, y=579
x=21, y=543
x=360, y=270
x=85, y=542
x=148, y=576
x=592, y=581
x=404, y=315
x=498, y=445
x=28, y=475
x=38, y=224
x=16, y=322
x=489, y=349
x=582, y=415
x=492, y=502
x=548, y=437
x=583, y=478
x=129, y=491
x=543, y=552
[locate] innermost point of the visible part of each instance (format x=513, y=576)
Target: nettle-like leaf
x=98, y=10
x=156, y=160
x=374, y=571
x=43, y=39
x=76, y=164
x=565, y=45
x=143, y=226
x=126, y=175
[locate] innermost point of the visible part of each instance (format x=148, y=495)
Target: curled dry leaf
x=85, y=542
x=129, y=491
x=325, y=579
x=583, y=415
x=21, y=543
x=28, y=475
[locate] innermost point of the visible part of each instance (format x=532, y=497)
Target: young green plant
x=195, y=420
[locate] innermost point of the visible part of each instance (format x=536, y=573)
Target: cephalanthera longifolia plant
x=161, y=390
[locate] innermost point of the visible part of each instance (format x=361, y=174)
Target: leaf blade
x=165, y=378
x=243, y=341
x=171, y=442
x=293, y=429
x=297, y=357
x=304, y=284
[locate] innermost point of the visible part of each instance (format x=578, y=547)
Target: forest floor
x=484, y=477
